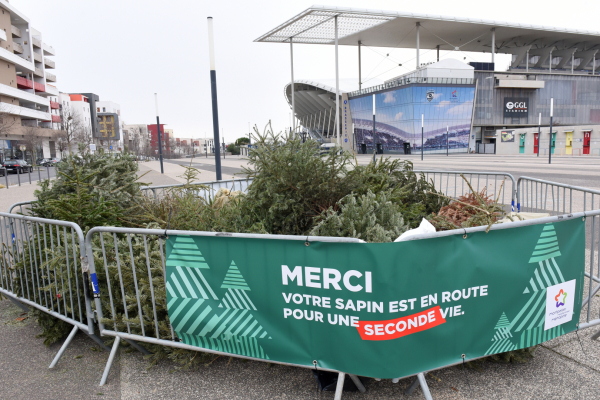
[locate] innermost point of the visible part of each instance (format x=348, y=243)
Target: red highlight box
x=403, y=326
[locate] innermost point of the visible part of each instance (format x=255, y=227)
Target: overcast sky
x=127, y=50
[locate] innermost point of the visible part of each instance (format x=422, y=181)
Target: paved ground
x=564, y=368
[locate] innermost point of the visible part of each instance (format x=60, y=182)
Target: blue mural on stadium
x=398, y=118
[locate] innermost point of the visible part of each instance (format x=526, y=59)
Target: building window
x=103, y=109
x=98, y=109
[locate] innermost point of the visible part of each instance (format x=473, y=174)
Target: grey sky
x=126, y=50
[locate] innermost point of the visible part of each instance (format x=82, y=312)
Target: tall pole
x=160, y=157
x=337, y=87
x=418, y=59
x=539, y=134
x=527, y=63
x=493, y=45
x=293, y=122
x=438, y=52
x=550, y=145
x=359, y=70
x=374, y=141
x=422, y=136
x=213, y=90
x=447, y=141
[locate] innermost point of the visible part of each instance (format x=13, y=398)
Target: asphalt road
x=13, y=178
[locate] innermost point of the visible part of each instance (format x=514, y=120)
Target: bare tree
x=8, y=123
x=32, y=140
x=84, y=135
x=72, y=126
x=60, y=143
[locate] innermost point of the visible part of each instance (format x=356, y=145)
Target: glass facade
x=398, y=118
x=576, y=100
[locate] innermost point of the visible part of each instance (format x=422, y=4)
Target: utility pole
x=213, y=90
x=447, y=135
x=160, y=156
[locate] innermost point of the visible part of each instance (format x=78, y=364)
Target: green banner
x=382, y=310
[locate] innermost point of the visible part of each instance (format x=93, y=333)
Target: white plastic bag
x=425, y=227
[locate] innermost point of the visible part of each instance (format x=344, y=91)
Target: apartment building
x=29, y=110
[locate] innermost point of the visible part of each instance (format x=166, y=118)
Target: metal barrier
x=38, y=168
x=40, y=267
x=452, y=185
x=537, y=195
x=117, y=249
x=127, y=253
x=205, y=189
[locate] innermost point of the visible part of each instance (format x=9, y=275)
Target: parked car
x=50, y=162
x=2, y=170
x=42, y=161
x=18, y=166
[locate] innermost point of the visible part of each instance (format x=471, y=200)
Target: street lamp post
x=550, y=144
x=539, y=134
x=160, y=156
x=213, y=89
x=447, y=141
x=422, y=135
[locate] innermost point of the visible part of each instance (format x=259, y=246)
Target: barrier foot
x=99, y=341
x=21, y=305
x=64, y=347
x=111, y=358
x=138, y=346
x=596, y=335
x=420, y=381
x=339, y=388
x=358, y=383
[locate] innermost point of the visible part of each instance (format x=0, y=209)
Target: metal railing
x=453, y=185
x=38, y=169
x=116, y=251
x=32, y=248
x=43, y=264
x=204, y=189
x=541, y=196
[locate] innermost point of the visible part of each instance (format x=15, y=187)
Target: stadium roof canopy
x=395, y=29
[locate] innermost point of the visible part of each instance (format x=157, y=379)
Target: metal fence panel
x=43, y=264
x=499, y=184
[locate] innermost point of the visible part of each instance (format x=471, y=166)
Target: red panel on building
x=24, y=83
x=164, y=137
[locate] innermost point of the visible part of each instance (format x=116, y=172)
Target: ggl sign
x=516, y=106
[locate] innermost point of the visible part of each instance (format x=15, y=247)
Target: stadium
x=449, y=105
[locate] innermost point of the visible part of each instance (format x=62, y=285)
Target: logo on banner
x=559, y=301
x=454, y=94
x=559, y=306
x=430, y=94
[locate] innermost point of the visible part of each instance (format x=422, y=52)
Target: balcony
x=55, y=118
x=49, y=63
x=10, y=91
x=24, y=83
x=39, y=87
x=16, y=32
x=55, y=105
x=38, y=72
x=37, y=57
x=50, y=77
x=25, y=112
x=36, y=43
x=11, y=57
x=17, y=48
x=51, y=90
x=48, y=50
